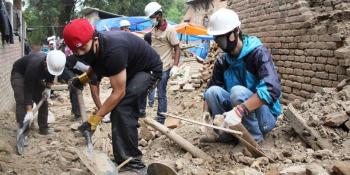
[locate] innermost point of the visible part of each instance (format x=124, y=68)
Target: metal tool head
x=160, y=169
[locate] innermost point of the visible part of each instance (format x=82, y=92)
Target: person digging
x=133, y=68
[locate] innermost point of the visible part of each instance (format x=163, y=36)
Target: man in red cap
x=133, y=68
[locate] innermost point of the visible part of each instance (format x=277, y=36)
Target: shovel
x=22, y=133
x=96, y=161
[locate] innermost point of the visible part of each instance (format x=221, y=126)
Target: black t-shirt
x=123, y=50
x=34, y=71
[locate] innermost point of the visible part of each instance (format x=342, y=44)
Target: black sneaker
x=46, y=131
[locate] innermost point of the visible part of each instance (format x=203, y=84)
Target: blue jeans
x=151, y=95
x=162, y=98
x=258, y=122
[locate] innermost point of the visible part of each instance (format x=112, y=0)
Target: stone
x=172, y=122
x=259, y=162
x=198, y=161
x=322, y=154
x=5, y=147
x=336, y=119
x=76, y=171
x=143, y=143
x=187, y=156
x=294, y=170
x=74, y=126
x=314, y=121
x=341, y=168
x=199, y=171
x=315, y=169
x=188, y=88
x=146, y=133
x=174, y=88
x=245, y=171
x=179, y=164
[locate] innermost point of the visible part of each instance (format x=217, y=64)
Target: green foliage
x=174, y=9
x=46, y=18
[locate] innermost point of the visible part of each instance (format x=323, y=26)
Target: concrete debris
x=188, y=88
x=245, y=171
x=143, y=143
x=336, y=119
x=172, y=122
x=341, y=168
x=294, y=170
x=315, y=169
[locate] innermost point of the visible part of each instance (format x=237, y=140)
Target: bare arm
x=118, y=83
x=176, y=55
x=95, y=93
x=253, y=103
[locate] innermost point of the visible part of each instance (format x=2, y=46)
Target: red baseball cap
x=77, y=33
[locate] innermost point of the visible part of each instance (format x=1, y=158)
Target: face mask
x=88, y=58
x=225, y=44
x=154, y=21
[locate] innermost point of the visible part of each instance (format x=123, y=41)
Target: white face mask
x=154, y=21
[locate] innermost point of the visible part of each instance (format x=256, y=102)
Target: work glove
x=29, y=116
x=79, y=81
x=94, y=120
x=232, y=118
x=46, y=93
x=174, y=71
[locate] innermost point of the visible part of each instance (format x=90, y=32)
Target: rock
x=143, y=143
x=245, y=171
x=347, y=124
x=198, y=161
x=299, y=157
x=315, y=169
x=314, y=121
x=218, y=120
x=245, y=160
x=199, y=171
x=322, y=154
x=259, y=162
x=179, y=164
x=174, y=88
x=341, y=168
x=156, y=154
x=196, y=76
x=294, y=170
x=196, y=85
x=74, y=126
x=5, y=147
x=172, y=122
x=188, y=88
x=146, y=133
x=187, y=156
x=336, y=119
x=70, y=157
x=76, y=171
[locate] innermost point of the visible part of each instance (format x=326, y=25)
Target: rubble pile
x=328, y=113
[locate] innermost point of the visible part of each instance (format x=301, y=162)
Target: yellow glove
x=94, y=120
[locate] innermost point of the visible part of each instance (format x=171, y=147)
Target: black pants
x=124, y=119
x=17, y=83
x=67, y=75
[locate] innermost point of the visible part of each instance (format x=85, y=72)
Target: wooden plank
x=306, y=133
x=204, y=124
x=97, y=162
x=196, y=152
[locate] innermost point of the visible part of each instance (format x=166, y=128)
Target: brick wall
x=309, y=40
x=9, y=53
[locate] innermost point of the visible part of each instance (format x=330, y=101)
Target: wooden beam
x=196, y=152
x=306, y=133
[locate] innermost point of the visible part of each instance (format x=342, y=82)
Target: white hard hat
x=124, y=23
x=55, y=60
x=152, y=8
x=223, y=21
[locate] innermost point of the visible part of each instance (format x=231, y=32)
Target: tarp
x=191, y=29
x=201, y=51
x=138, y=23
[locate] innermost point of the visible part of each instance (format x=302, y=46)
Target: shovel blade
x=97, y=162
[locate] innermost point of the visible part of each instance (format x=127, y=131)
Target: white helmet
x=152, y=8
x=124, y=23
x=55, y=60
x=223, y=21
